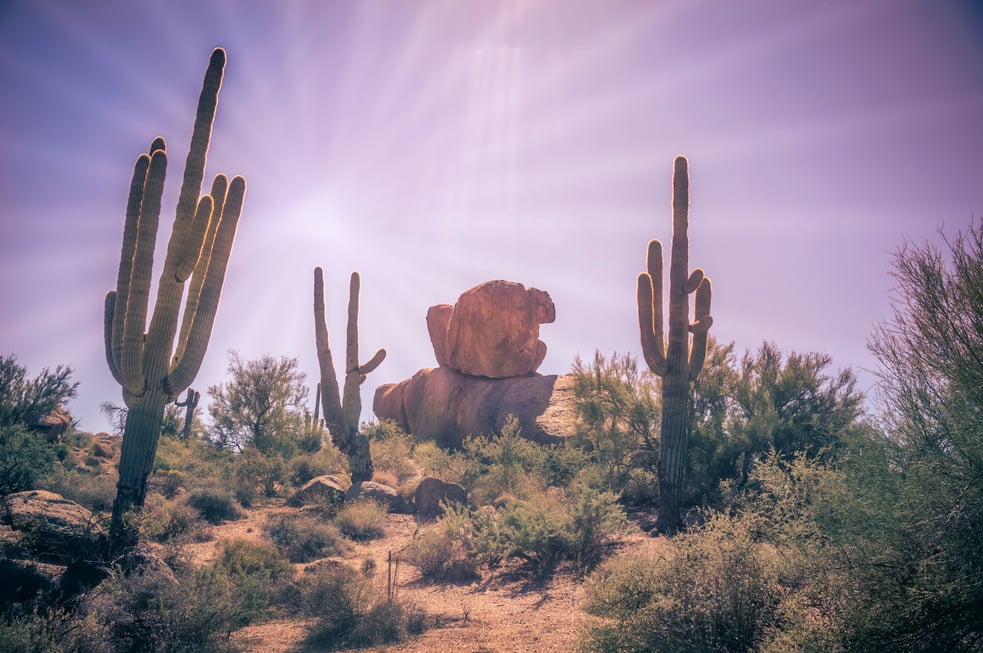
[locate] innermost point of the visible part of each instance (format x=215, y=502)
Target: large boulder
x=380, y=493
x=492, y=330
x=52, y=424
x=56, y=528
x=446, y=406
x=320, y=490
x=433, y=493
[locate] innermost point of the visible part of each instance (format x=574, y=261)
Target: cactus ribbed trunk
x=140, y=435
x=152, y=368
x=676, y=361
x=342, y=411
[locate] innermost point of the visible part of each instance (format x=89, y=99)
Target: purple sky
x=434, y=145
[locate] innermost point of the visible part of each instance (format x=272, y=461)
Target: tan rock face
x=488, y=350
x=492, y=330
x=447, y=406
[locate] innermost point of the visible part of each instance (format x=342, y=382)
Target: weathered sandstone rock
x=58, y=527
x=446, y=406
x=384, y=494
x=328, y=489
x=431, y=491
x=492, y=330
x=52, y=424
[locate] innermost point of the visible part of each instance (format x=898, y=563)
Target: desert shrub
x=215, y=504
x=25, y=458
x=53, y=631
x=440, y=555
x=714, y=589
x=261, y=576
x=391, y=450
x=152, y=609
x=257, y=474
x=641, y=487
x=352, y=612
x=20, y=397
x=94, y=491
x=164, y=520
x=542, y=531
x=442, y=463
x=503, y=464
x=304, y=467
x=304, y=538
x=362, y=520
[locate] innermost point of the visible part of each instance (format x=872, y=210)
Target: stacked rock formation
x=488, y=350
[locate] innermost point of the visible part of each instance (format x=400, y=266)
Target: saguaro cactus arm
x=650, y=310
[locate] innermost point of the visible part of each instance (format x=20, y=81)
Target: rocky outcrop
x=58, y=529
x=488, y=349
x=52, y=424
x=447, y=406
x=492, y=330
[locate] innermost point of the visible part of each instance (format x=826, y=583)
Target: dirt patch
x=504, y=612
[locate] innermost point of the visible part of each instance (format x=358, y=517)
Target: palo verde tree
x=677, y=363
x=260, y=406
x=928, y=594
x=144, y=360
x=342, y=411
x=20, y=397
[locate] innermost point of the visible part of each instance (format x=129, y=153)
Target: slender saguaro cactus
x=342, y=411
x=678, y=363
x=145, y=360
x=190, y=403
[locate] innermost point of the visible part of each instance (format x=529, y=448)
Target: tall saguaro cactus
x=190, y=403
x=679, y=362
x=145, y=361
x=342, y=410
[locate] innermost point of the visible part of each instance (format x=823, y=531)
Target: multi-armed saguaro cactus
x=678, y=363
x=190, y=403
x=145, y=360
x=342, y=411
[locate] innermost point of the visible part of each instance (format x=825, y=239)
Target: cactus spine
x=679, y=362
x=342, y=411
x=146, y=364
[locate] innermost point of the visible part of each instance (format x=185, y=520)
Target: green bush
x=303, y=468
x=164, y=520
x=25, y=457
x=54, y=631
x=151, y=609
x=95, y=492
x=362, y=520
x=555, y=526
x=714, y=589
x=261, y=576
x=351, y=612
x=391, y=450
x=305, y=538
x=440, y=555
x=215, y=504
x=256, y=474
